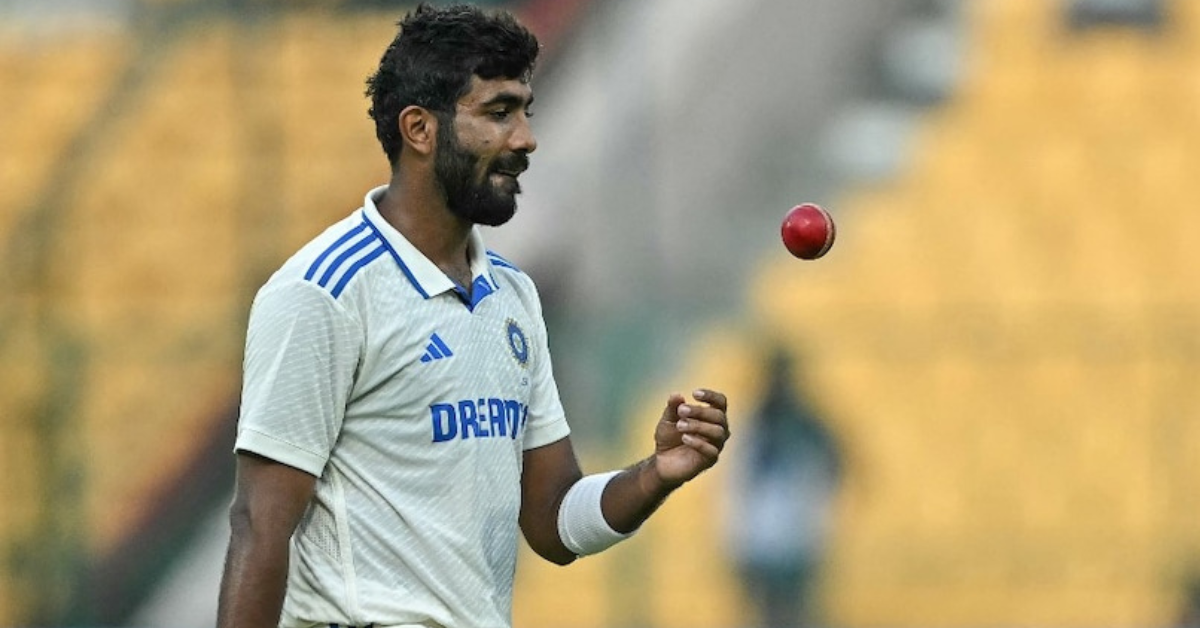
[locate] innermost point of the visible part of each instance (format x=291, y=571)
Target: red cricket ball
x=808, y=231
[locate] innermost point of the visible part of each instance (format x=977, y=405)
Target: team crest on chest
x=517, y=342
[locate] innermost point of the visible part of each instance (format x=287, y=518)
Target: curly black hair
x=433, y=57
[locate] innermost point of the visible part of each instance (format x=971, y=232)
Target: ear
x=418, y=127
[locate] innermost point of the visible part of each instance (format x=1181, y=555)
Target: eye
x=505, y=114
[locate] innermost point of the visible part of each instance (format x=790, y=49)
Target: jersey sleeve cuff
x=549, y=434
x=279, y=451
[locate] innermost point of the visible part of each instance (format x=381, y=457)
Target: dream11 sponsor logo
x=477, y=418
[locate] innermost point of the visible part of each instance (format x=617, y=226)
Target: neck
x=417, y=209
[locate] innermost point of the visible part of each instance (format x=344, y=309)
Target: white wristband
x=581, y=523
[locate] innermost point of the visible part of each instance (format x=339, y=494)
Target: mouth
x=507, y=179
x=510, y=165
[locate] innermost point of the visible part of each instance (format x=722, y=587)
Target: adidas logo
x=436, y=349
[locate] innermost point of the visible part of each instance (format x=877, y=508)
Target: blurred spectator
x=1148, y=14
x=1189, y=611
x=785, y=481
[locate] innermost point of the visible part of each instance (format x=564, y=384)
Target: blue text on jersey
x=477, y=418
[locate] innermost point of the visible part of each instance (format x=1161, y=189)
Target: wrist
x=651, y=482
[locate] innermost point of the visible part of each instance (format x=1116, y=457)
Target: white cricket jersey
x=369, y=368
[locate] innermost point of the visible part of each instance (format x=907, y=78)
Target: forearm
x=601, y=510
x=566, y=514
x=255, y=580
x=633, y=495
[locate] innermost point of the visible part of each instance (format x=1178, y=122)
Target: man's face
x=483, y=151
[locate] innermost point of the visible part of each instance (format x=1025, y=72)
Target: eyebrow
x=508, y=98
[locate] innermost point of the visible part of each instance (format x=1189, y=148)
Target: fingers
x=706, y=423
x=671, y=410
x=690, y=436
x=712, y=398
x=709, y=450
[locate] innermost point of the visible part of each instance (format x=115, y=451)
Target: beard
x=468, y=196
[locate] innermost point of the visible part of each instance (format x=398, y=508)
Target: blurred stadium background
x=1006, y=337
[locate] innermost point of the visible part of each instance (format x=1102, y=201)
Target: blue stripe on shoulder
x=345, y=255
x=348, y=258
x=501, y=262
x=349, y=235
x=354, y=268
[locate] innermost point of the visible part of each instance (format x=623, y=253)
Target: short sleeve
x=302, y=350
x=547, y=421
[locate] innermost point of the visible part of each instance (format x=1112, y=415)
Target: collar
x=422, y=273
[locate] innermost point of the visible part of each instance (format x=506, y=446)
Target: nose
x=522, y=139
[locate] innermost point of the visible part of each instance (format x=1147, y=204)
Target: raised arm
x=270, y=499
x=602, y=509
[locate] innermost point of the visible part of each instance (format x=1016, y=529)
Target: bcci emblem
x=517, y=342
